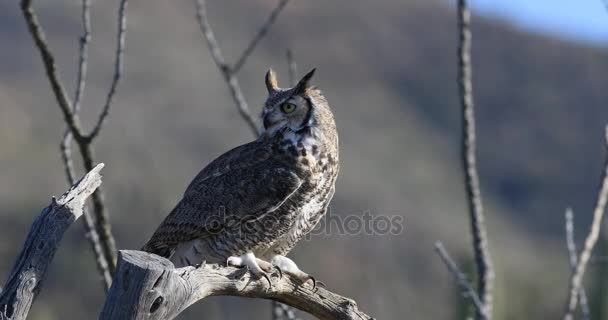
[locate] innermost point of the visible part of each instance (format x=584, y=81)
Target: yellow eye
x=288, y=107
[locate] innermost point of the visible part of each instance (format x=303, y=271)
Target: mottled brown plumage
x=262, y=197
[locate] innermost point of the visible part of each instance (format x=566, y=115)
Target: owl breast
x=309, y=205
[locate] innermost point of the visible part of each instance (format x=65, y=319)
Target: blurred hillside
x=388, y=69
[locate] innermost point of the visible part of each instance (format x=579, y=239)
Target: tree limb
x=147, y=286
x=572, y=252
x=102, y=229
x=87, y=221
x=29, y=270
x=465, y=287
x=233, y=84
x=598, y=214
x=259, y=35
x=118, y=68
x=65, y=146
x=51, y=68
x=483, y=260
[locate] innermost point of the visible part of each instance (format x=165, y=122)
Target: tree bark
x=25, y=279
x=147, y=286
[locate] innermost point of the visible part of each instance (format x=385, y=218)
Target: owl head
x=291, y=108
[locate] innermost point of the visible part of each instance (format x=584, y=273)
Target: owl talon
x=287, y=266
x=267, y=279
x=279, y=271
x=258, y=268
x=321, y=284
x=314, y=282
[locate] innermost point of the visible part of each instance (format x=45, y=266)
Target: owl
x=250, y=206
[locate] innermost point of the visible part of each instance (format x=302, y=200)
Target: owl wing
x=243, y=184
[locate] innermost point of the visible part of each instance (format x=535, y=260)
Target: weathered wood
x=147, y=286
x=24, y=280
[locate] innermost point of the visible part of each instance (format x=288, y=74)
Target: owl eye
x=288, y=107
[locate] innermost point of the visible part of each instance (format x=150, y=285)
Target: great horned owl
x=251, y=205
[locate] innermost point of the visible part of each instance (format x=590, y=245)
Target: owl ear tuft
x=304, y=83
x=271, y=81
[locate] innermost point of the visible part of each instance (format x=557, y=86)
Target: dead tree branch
x=147, y=286
x=259, y=35
x=572, y=252
x=51, y=68
x=98, y=229
x=483, y=260
x=65, y=146
x=465, y=287
x=118, y=68
x=24, y=281
x=227, y=71
x=598, y=214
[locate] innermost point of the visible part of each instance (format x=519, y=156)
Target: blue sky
x=579, y=20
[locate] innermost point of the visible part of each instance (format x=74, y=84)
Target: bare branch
x=292, y=68
x=483, y=259
x=87, y=221
x=51, y=68
x=102, y=227
x=598, y=214
x=572, y=252
x=102, y=223
x=218, y=58
x=461, y=279
x=260, y=35
x=147, y=286
x=118, y=68
x=65, y=147
x=66, y=156
x=24, y=281
x=83, y=54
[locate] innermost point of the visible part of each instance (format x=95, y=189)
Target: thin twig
x=571, y=245
x=118, y=68
x=598, y=214
x=229, y=75
x=84, y=54
x=465, y=287
x=261, y=33
x=292, y=68
x=483, y=259
x=51, y=68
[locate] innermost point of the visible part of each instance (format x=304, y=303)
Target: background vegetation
x=388, y=69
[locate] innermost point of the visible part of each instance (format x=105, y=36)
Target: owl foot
x=287, y=266
x=259, y=268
